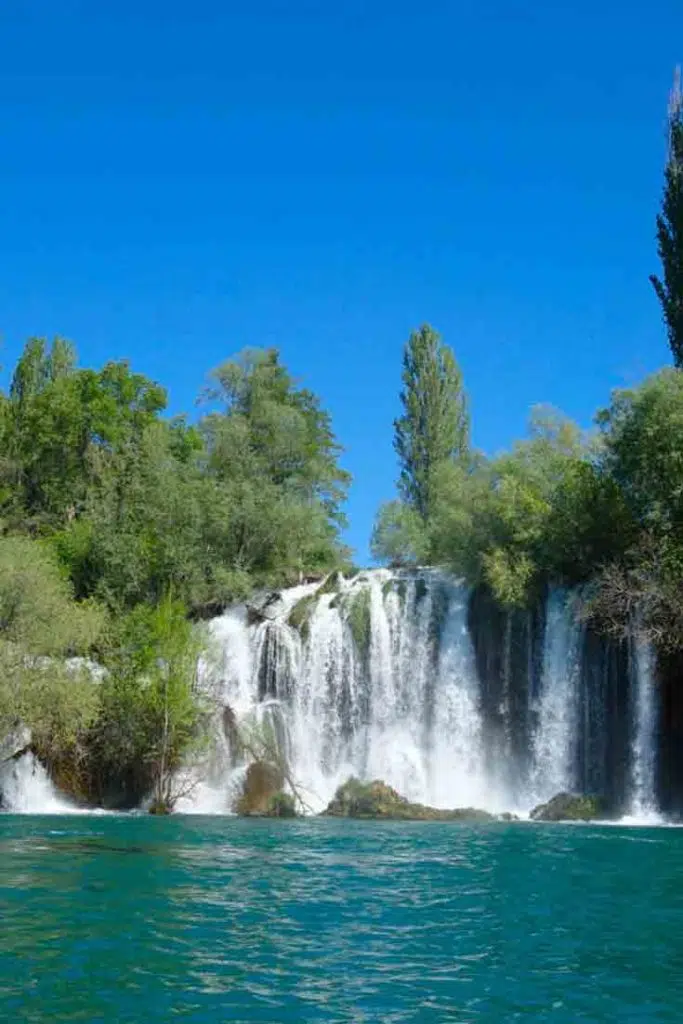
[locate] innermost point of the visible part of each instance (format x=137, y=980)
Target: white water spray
x=25, y=788
x=382, y=684
x=643, y=804
x=557, y=706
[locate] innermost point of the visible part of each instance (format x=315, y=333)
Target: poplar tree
x=434, y=427
x=670, y=229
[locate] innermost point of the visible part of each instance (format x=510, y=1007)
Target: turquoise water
x=211, y=920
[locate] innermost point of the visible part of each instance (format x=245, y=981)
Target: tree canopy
x=119, y=525
x=434, y=426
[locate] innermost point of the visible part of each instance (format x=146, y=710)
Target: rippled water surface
x=211, y=920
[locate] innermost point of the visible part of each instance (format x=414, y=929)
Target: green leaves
x=40, y=625
x=134, y=504
x=152, y=713
x=399, y=536
x=272, y=454
x=434, y=426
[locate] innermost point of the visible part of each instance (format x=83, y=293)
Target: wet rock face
x=265, y=607
x=568, y=807
x=376, y=800
x=15, y=742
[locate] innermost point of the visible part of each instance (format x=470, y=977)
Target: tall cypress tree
x=435, y=424
x=670, y=229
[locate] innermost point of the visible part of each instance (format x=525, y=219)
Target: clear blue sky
x=180, y=180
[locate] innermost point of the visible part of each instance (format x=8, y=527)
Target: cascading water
x=25, y=788
x=643, y=803
x=376, y=679
x=554, y=738
x=399, y=676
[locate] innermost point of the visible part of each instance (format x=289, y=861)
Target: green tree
x=670, y=230
x=41, y=626
x=643, y=456
x=399, y=536
x=434, y=425
x=152, y=711
x=141, y=528
x=643, y=452
x=272, y=452
x=55, y=424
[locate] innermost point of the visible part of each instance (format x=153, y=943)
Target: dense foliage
x=119, y=526
x=545, y=510
x=604, y=509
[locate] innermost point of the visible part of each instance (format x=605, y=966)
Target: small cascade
x=643, y=803
x=554, y=741
x=461, y=775
x=26, y=788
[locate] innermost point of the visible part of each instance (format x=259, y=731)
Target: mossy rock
x=358, y=618
x=160, y=808
x=72, y=780
x=281, y=805
x=568, y=807
x=300, y=616
x=378, y=801
x=263, y=782
x=331, y=585
x=231, y=733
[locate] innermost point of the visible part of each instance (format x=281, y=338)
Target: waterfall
x=554, y=741
x=25, y=788
x=372, y=676
x=643, y=803
x=407, y=677
x=461, y=775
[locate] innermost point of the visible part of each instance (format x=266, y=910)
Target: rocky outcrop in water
x=281, y=805
x=375, y=800
x=568, y=807
x=263, y=794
